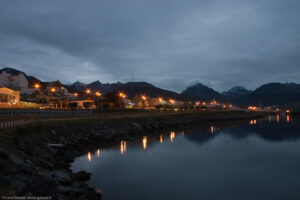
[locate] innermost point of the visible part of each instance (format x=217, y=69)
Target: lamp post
x=98, y=94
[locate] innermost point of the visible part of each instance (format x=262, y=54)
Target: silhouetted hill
x=104, y=87
x=272, y=94
x=201, y=91
x=140, y=88
x=131, y=89
x=235, y=93
x=77, y=86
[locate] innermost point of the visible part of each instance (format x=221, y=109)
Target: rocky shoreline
x=35, y=159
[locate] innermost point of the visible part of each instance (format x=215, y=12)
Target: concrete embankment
x=35, y=159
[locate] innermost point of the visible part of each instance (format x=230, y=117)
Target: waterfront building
x=9, y=98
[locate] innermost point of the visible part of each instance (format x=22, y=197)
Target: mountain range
x=279, y=94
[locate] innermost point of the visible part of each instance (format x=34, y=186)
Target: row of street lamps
x=121, y=94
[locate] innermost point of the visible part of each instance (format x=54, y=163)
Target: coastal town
x=19, y=91
x=149, y=100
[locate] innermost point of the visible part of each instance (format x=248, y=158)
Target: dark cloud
x=169, y=43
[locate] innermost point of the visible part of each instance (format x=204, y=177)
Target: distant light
x=253, y=108
x=37, y=86
x=75, y=94
x=172, y=101
x=98, y=94
x=122, y=95
x=88, y=91
x=53, y=89
x=144, y=97
x=160, y=99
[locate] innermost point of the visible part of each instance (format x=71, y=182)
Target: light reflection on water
x=252, y=161
x=123, y=147
x=172, y=136
x=144, y=142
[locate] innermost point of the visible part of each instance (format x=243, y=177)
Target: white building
x=15, y=79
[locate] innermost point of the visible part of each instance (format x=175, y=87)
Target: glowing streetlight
x=98, y=94
x=37, y=86
x=172, y=101
x=53, y=89
x=122, y=95
x=88, y=91
x=160, y=99
x=75, y=94
x=144, y=97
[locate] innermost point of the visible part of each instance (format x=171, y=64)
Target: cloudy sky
x=170, y=43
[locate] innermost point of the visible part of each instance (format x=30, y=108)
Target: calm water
x=257, y=160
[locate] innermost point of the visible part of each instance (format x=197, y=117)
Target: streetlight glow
x=37, y=86
x=122, y=95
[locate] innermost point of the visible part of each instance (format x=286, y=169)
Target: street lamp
x=36, y=86
x=88, y=91
x=53, y=89
x=75, y=94
x=98, y=94
x=122, y=95
x=144, y=97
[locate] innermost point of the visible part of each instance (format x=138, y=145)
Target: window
x=3, y=98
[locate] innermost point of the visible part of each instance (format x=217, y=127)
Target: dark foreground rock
x=35, y=159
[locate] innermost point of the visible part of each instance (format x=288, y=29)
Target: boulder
x=63, y=177
x=82, y=176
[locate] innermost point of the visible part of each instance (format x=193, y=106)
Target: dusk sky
x=169, y=43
